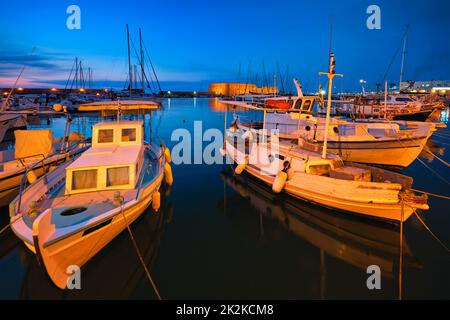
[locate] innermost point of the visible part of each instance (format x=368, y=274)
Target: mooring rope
x=152, y=283
x=441, y=160
x=432, y=194
x=433, y=171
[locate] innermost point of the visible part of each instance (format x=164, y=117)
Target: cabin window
x=298, y=104
x=105, y=135
x=84, y=179
x=117, y=176
x=306, y=105
x=128, y=134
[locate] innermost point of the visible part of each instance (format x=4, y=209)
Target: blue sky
x=193, y=43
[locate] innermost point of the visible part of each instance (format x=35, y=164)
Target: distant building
x=440, y=86
x=234, y=89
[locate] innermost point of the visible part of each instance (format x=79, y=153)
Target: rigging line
x=18, y=77
x=393, y=59
x=431, y=232
x=70, y=75
x=139, y=60
x=432, y=194
x=151, y=64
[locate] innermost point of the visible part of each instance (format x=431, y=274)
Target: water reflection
x=356, y=241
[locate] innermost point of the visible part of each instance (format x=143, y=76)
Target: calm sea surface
x=221, y=236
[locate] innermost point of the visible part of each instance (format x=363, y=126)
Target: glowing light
x=82, y=90
x=441, y=88
x=195, y=92
x=53, y=89
x=169, y=92
x=97, y=94
x=20, y=89
x=322, y=92
x=106, y=90
x=362, y=81
x=433, y=91
x=5, y=93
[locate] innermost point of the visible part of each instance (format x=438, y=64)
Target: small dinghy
x=70, y=214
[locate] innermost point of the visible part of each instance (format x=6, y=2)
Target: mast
x=405, y=38
x=385, y=98
x=330, y=74
x=142, y=63
x=130, y=72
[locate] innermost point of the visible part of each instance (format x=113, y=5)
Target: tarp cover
x=31, y=143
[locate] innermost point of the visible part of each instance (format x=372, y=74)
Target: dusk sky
x=193, y=43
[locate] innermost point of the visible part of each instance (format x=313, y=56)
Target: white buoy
x=279, y=182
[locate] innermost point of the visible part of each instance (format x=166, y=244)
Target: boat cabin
x=305, y=103
x=113, y=162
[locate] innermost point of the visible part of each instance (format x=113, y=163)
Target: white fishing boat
x=35, y=153
x=70, y=214
x=11, y=122
x=325, y=179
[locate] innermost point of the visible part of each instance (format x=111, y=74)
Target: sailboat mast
x=403, y=60
x=130, y=75
x=142, y=63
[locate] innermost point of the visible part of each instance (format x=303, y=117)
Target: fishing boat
x=394, y=107
x=35, y=153
x=70, y=214
x=11, y=122
x=302, y=171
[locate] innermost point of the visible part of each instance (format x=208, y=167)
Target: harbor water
x=219, y=235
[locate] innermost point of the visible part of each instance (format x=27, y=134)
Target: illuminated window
x=117, y=176
x=84, y=179
x=105, y=135
x=128, y=135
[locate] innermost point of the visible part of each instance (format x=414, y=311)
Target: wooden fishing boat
x=37, y=152
x=298, y=169
x=70, y=214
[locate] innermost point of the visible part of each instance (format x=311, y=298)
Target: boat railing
x=21, y=160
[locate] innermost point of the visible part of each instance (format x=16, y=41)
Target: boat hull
x=78, y=248
x=417, y=116
x=399, y=153
x=387, y=212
